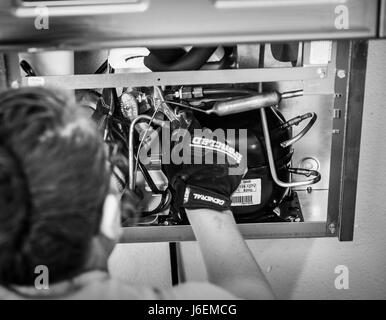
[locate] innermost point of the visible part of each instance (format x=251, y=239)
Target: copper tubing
x=255, y=102
x=271, y=161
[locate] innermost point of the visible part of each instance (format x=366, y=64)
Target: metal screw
x=341, y=74
x=321, y=73
x=309, y=189
x=15, y=84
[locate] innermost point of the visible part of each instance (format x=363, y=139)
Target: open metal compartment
x=347, y=74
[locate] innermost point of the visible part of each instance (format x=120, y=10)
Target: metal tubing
x=132, y=179
x=254, y=102
x=292, y=94
x=271, y=160
x=301, y=134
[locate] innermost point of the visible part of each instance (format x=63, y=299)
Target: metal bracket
x=174, y=78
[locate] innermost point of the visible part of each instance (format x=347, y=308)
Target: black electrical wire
x=165, y=195
x=121, y=121
x=149, y=179
x=168, y=201
x=134, y=57
x=161, y=206
x=192, y=60
x=102, y=68
x=27, y=68
x=183, y=105
x=165, y=199
x=118, y=134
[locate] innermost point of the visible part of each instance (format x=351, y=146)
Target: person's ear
x=111, y=218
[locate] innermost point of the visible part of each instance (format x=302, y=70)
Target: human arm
x=202, y=190
x=228, y=260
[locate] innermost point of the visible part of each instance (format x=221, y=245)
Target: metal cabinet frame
x=347, y=122
x=349, y=75
x=118, y=23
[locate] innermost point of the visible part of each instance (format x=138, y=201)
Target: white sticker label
x=248, y=193
x=320, y=52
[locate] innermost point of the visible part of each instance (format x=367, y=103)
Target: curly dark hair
x=54, y=178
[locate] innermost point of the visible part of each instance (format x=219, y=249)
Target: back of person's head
x=53, y=182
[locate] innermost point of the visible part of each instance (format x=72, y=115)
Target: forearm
x=227, y=258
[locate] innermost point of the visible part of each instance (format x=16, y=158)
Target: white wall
x=304, y=268
x=142, y=263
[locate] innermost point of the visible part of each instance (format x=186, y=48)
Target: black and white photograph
x=193, y=153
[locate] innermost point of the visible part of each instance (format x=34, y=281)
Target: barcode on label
x=248, y=193
x=242, y=199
